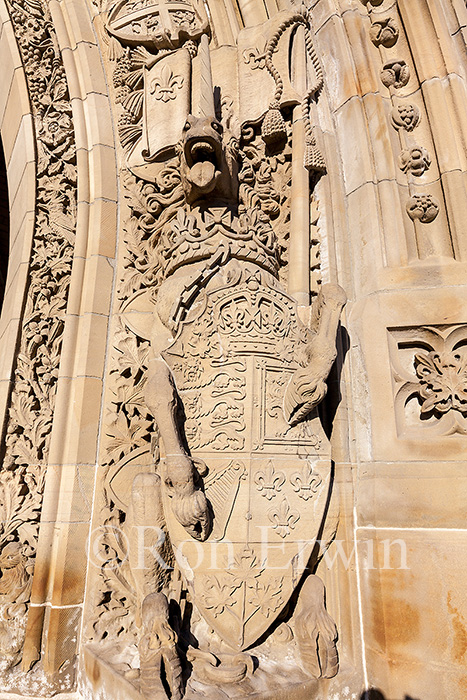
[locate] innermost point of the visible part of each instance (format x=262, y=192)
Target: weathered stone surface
x=204, y=458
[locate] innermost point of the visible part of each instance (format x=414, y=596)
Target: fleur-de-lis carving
x=284, y=518
x=269, y=482
x=305, y=482
x=165, y=85
x=254, y=58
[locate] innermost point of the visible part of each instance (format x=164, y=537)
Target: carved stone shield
x=267, y=482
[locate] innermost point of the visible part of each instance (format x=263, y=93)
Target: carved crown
x=203, y=233
x=160, y=25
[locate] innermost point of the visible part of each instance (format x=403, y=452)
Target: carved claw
x=158, y=651
x=315, y=631
x=189, y=503
x=307, y=387
x=192, y=512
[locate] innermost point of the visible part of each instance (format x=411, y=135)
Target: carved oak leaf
x=22, y=403
x=133, y=192
x=10, y=500
x=114, y=620
x=38, y=431
x=131, y=283
x=133, y=239
x=114, y=616
x=23, y=451
x=28, y=531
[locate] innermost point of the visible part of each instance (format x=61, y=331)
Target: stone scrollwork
x=27, y=437
x=215, y=380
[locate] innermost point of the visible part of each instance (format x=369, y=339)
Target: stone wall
x=109, y=203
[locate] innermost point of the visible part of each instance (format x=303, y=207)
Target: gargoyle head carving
x=205, y=166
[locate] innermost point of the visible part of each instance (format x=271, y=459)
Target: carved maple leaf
x=131, y=397
x=266, y=596
x=133, y=356
x=245, y=568
x=219, y=595
x=124, y=436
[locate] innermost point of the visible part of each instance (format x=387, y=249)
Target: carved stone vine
x=26, y=443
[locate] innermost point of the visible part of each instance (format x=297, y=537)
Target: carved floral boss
x=432, y=381
x=443, y=381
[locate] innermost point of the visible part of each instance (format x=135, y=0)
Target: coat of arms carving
x=234, y=482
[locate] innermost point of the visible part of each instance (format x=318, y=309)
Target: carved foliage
x=129, y=426
x=33, y=397
x=423, y=208
x=264, y=192
x=384, y=32
x=414, y=160
x=243, y=575
x=150, y=206
x=443, y=381
x=430, y=377
x=395, y=74
x=405, y=116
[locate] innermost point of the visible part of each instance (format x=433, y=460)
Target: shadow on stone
x=375, y=694
x=328, y=408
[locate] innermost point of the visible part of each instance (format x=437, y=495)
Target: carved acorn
x=273, y=128
x=313, y=159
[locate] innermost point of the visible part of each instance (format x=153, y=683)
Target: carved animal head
x=11, y=556
x=204, y=165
